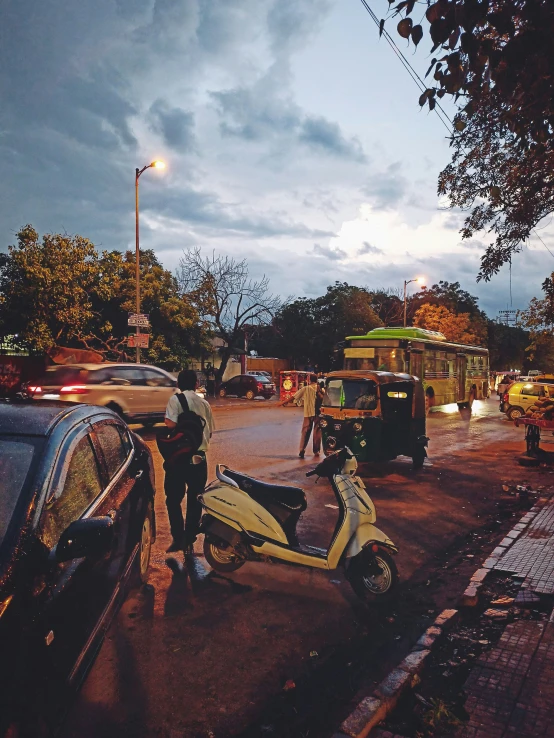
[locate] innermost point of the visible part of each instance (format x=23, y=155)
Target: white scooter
x=248, y=520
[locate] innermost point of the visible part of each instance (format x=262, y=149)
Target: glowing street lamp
x=420, y=281
x=156, y=164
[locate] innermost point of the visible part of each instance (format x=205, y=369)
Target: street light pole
x=157, y=165
x=419, y=280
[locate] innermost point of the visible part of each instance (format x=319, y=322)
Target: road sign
x=140, y=319
x=138, y=340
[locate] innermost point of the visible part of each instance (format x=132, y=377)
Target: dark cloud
x=262, y=112
x=386, y=189
x=326, y=136
x=176, y=126
x=329, y=253
x=367, y=248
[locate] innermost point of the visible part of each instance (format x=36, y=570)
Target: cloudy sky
x=292, y=137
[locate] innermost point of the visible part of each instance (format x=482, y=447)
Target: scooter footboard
x=365, y=535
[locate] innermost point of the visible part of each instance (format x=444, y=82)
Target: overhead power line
x=439, y=110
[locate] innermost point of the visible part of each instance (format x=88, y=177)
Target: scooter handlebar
x=311, y=473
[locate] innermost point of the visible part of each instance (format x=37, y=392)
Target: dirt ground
x=283, y=651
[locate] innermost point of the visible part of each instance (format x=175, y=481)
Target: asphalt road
x=198, y=654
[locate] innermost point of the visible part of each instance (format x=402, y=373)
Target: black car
x=76, y=525
x=247, y=385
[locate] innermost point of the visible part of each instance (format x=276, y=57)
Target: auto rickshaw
x=378, y=415
x=290, y=382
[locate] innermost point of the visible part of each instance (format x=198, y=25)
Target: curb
x=470, y=597
x=373, y=709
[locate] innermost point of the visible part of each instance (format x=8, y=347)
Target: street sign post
x=141, y=320
x=138, y=340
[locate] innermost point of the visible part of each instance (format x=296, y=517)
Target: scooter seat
x=284, y=503
x=292, y=498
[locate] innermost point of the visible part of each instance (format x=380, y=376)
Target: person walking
x=190, y=473
x=311, y=395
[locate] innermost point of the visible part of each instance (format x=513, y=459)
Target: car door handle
x=139, y=474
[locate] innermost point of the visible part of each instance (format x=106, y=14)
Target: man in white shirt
x=311, y=394
x=190, y=474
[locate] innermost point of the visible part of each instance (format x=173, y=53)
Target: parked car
x=247, y=385
x=76, y=526
x=521, y=395
x=136, y=392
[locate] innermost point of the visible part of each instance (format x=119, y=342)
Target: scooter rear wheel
x=221, y=558
x=368, y=584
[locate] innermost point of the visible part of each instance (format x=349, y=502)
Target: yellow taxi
x=521, y=395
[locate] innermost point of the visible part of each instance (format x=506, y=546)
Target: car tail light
x=505, y=397
x=260, y=386
x=34, y=390
x=74, y=389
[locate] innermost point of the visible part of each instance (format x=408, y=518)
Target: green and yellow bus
x=450, y=372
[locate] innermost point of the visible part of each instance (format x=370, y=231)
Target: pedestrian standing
x=190, y=473
x=311, y=395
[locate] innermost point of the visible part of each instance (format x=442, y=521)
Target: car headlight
x=323, y=423
x=357, y=427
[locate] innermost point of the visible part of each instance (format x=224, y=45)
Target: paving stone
x=480, y=575
x=393, y=685
x=367, y=715
x=427, y=640
x=470, y=597
x=446, y=619
x=414, y=661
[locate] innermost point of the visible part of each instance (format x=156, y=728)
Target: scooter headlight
x=323, y=423
x=357, y=427
x=331, y=442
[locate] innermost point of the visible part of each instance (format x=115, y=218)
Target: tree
x=177, y=331
x=48, y=287
x=507, y=346
x=492, y=46
x=311, y=329
x=496, y=58
x=59, y=291
x=456, y=328
x=451, y=296
x=226, y=297
x=505, y=188
x=539, y=320
x=388, y=305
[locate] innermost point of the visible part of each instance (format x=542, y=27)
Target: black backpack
x=185, y=439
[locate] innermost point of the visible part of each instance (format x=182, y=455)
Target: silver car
x=137, y=392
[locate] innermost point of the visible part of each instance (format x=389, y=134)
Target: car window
x=532, y=389
x=233, y=382
x=16, y=457
x=157, y=379
x=125, y=439
x=112, y=446
x=130, y=375
x=262, y=380
x=75, y=492
x=62, y=375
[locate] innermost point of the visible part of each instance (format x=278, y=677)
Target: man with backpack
x=189, y=471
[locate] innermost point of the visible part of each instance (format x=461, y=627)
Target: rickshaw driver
x=366, y=400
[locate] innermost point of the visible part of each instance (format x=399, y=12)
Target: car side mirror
x=87, y=538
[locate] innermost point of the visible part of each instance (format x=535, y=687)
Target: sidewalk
x=511, y=690
x=507, y=688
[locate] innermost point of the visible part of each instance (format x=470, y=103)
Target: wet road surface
x=199, y=654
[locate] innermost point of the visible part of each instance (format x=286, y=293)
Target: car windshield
x=16, y=457
x=352, y=394
x=262, y=379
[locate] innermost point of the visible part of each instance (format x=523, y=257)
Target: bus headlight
x=323, y=423
x=357, y=427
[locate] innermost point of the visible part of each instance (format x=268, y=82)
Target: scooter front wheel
x=221, y=557
x=373, y=575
